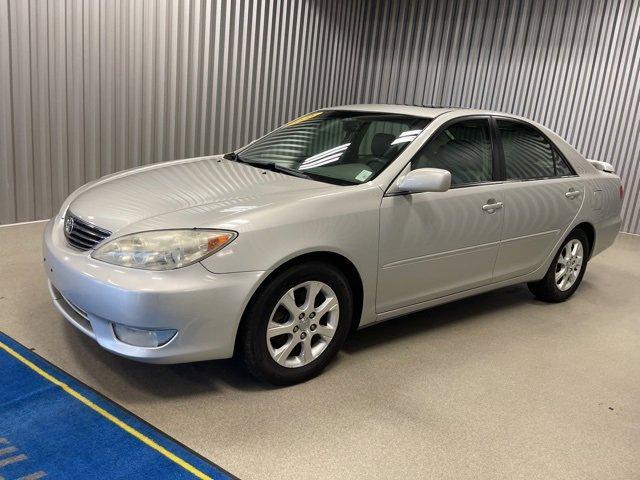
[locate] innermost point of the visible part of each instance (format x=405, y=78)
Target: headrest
x=380, y=143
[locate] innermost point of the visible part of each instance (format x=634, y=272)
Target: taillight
x=621, y=192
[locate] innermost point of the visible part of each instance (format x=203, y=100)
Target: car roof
x=426, y=112
x=416, y=111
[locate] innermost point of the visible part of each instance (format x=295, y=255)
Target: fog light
x=139, y=337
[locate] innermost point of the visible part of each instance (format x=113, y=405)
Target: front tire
x=296, y=324
x=566, y=271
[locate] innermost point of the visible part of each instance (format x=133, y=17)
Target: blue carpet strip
x=54, y=426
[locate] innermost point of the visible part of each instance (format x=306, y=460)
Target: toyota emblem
x=68, y=225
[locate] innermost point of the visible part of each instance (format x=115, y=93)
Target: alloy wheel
x=302, y=324
x=569, y=264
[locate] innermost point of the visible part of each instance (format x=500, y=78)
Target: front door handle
x=491, y=206
x=572, y=193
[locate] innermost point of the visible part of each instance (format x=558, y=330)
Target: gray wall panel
x=92, y=87
x=570, y=65
x=7, y=175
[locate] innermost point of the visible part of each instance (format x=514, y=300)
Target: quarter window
x=464, y=149
x=527, y=154
x=562, y=169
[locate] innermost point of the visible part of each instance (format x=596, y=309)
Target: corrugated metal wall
x=90, y=87
x=571, y=65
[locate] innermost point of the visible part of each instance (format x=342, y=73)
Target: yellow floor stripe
x=127, y=428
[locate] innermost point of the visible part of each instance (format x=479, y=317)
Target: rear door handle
x=572, y=193
x=491, y=206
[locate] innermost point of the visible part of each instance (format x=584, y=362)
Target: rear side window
x=527, y=154
x=463, y=148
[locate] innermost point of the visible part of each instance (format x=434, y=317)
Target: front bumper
x=204, y=307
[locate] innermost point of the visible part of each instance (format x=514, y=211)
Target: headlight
x=163, y=249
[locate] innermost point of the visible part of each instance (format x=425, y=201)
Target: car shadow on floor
x=175, y=381
x=163, y=381
x=464, y=310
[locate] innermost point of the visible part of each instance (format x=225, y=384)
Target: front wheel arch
x=347, y=268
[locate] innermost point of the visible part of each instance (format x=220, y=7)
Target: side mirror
x=425, y=180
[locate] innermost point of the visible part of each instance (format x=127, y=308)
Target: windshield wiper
x=273, y=166
x=289, y=171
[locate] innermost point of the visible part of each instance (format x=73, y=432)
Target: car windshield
x=338, y=147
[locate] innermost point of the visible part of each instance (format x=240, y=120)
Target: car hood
x=202, y=192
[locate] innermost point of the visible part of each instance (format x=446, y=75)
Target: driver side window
x=464, y=149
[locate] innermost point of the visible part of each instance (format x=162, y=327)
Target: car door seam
x=531, y=235
x=446, y=254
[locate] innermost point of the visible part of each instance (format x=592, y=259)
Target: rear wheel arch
x=590, y=232
x=564, y=275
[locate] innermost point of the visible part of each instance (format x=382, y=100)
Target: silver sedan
x=342, y=218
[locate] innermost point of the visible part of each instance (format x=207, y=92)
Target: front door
x=438, y=243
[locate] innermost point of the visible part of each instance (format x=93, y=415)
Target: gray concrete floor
x=495, y=386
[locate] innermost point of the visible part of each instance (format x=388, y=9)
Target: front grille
x=82, y=235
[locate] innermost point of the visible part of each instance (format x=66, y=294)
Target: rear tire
x=296, y=324
x=566, y=271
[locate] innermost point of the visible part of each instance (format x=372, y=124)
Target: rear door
x=542, y=197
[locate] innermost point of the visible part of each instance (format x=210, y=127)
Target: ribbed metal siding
x=92, y=87
x=87, y=88
x=573, y=66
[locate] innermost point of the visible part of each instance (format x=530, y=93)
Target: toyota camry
x=337, y=220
